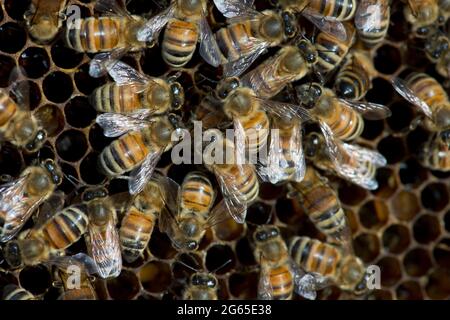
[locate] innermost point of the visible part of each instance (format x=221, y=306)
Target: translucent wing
x=112, y=7
x=265, y=290
x=271, y=171
x=20, y=88
x=15, y=210
x=117, y=124
x=99, y=65
x=170, y=191
x=150, y=31
x=123, y=74
x=402, y=88
x=50, y=207
x=240, y=141
x=104, y=247
x=235, y=8
x=209, y=50
x=364, y=154
x=239, y=66
x=328, y=25
x=82, y=260
x=371, y=111
x=370, y=15
x=333, y=146
x=284, y=110
x=218, y=214
x=142, y=174
x=304, y=283
x=121, y=203
x=297, y=155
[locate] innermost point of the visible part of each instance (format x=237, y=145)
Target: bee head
x=312, y=144
x=290, y=24
x=203, y=280
x=309, y=93
x=53, y=170
x=308, y=51
x=265, y=233
x=177, y=95
x=226, y=86
x=96, y=193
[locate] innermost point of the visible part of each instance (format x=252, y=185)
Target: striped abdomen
x=197, y=193
x=315, y=256
x=8, y=109
x=180, y=40
x=95, y=34
x=427, y=89
x=84, y=293
x=234, y=41
x=65, y=228
x=340, y=9
x=243, y=179
x=346, y=123
x=282, y=283
x=124, y=153
x=354, y=79
x=257, y=127
x=323, y=208
x=14, y=292
x=114, y=98
x=436, y=155
x=289, y=141
x=135, y=232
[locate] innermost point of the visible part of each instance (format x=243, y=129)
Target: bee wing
x=271, y=170
x=49, y=208
x=121, y=203
x=117, y=124
x=104, y=247
x=371, y=111
x=113, y=7
x=101, y=62
x=364, y=154
x=142, y=174
x=20, y=88
x=170, y=191
x=209, y=49
x=328, y=25
x=402, y=88
x=284, y=109
x=15, y=210
x=82, y=260
x=218, y=214
x=265, y=290
x=151, y=29
x=239, y=66
x=123, y=73
x=235, y=8
x=236, y=208
x=333, y=146
x=369, y=15
x=297, y=155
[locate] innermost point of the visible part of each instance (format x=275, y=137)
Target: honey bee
x=44, y=19
x=421, y=13
x=329, y=9
x=436, y=153
x=279, y=276
x=343, y=117
x=329, y=263
x=238, y=180
x=437, y=49
x=372, y=20
x=250, y=33
x=202, y=286
x=139, y=148
x=113, y=35
x=322, y=206
x=21, y=197
x=349, y=161
x=426, y=94
x=186, y=24
x=291, y=63
x=83, y=289
x=102, y=238
x=14, y=292
x=133, y=90
x=17, y=124
x=54, y=231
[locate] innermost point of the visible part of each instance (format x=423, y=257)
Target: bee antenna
x=188, y=266
x=206, y=78
x=221, y=266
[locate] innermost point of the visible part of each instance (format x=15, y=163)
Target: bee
x=437, y=50
x=426, y=94
x=421, y=13
x=17, y=124
x=186, y=24
x=372, y=20
x=133, y=90
x=343, y=117
x=322, y=206
x=21, y=197
x=64, y=275
x=331, y=50
x=238, y=180
x=354, y=79
x=329, y=263
x=55, y=230
x=139, y=220
x=348, y=161
x=202, y=286
x=291, y=63
x=279, y=276
x=14, y=292
x=328, y=9
x=139, y=147
x=436, y=153
x=102, y=238
x=250, y=33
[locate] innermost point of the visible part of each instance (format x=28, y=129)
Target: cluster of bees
x=142, y=112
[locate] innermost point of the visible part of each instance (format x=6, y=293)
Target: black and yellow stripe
x=179, y=42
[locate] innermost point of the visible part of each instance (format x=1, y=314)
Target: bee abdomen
x=135, y=233
x=7, y=108
x=340, y=9
x=246, y=182
x=94, y=35
x=66, y=227
x=257, y=129
x=180, y=40
x=234, y=40
x=282, y=283
x=347, y=124
x=114, y=98
x=197, y=193
x=353, y=81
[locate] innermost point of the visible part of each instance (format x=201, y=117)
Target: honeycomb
x=403, y=226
